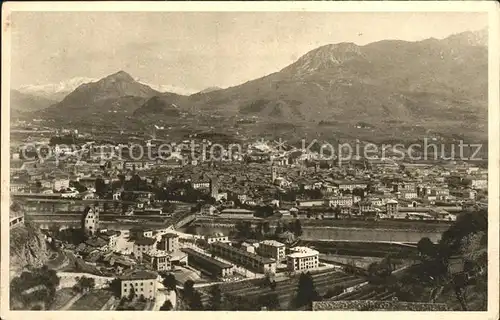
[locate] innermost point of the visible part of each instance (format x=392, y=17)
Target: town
x=267, y=227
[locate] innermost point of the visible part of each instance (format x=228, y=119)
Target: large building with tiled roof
x=243, y=257
x=140, y=282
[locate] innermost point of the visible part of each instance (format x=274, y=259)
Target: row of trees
x=245, y=230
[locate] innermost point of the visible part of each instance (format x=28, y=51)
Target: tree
x=306, y=292
x=167, y=306
x=426, y=247
x=215, y=302
x=378, y=272
x=169, y=281
x=100, y=187
x=115, y=287
x=358, y=192
x=266, y=227
x=269, y=301
x=188, y=289
x=195, y=301
x=84, y=284
x=279, y=229
x=297, y=228
x=131, y=294
x=244, y=229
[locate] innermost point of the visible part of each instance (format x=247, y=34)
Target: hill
x=23, y=102
x=116, y=93
x=440, y=85
x=163, y=105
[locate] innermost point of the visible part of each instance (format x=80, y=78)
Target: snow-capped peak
x=55, y=88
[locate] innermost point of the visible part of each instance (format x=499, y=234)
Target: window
x=151, y=282
x=125, y=290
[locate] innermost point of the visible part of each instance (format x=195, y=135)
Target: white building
x=302, y=258
x=272, y=249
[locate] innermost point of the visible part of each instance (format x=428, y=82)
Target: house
x=340, y=201
x=350, y=185
x=90, y=220
x=216, y=237
x=312, y=203
x=157, y=260
x=272, y=249
x=208, y=209
x=141, y=283
x=110, y=236
x=205, y=262
x=96, y=243
x=479, y=183
x=169, y=242
x=302, y=258
x=243, y=257
x=143, y=245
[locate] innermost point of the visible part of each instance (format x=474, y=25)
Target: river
x=347, y=234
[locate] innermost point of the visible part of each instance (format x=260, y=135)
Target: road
x=68, y=279
x=162, y=295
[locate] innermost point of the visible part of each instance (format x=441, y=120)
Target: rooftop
x=169, y=235
x=243, y=252
x=140, y=275
x=145, y=241
x=301, y=252
x=273, y=243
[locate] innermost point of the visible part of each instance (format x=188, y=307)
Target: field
x=365, y=249
x=286, y=290
x=366, y=293
x=93, y=300
x=62, y=297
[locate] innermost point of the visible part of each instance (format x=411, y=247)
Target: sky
x=197, y=50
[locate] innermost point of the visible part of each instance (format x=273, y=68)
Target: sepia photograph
x=249, y=157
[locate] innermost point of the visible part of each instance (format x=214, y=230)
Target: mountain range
x=441, y=85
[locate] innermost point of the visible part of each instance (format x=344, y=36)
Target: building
x=211, y=265
x=143, y=245
x=391, y=208
x=407, y=194
x=272, y=249
x=404, y=186
x=59, y=184
x=302, y=258
x=274, y=173
x=90, y=221
x=350, y=185
x=208, y=210
x=110, y=236
x=140, y=232
x=214, y=188
x=140, y=282
x=341, y=201
x=216, y=237
x=169, y=242
x=200, y=185
x=243, y=257
x=312, y=203
x=157, y=260
x=236, y=213
x=479, y=183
